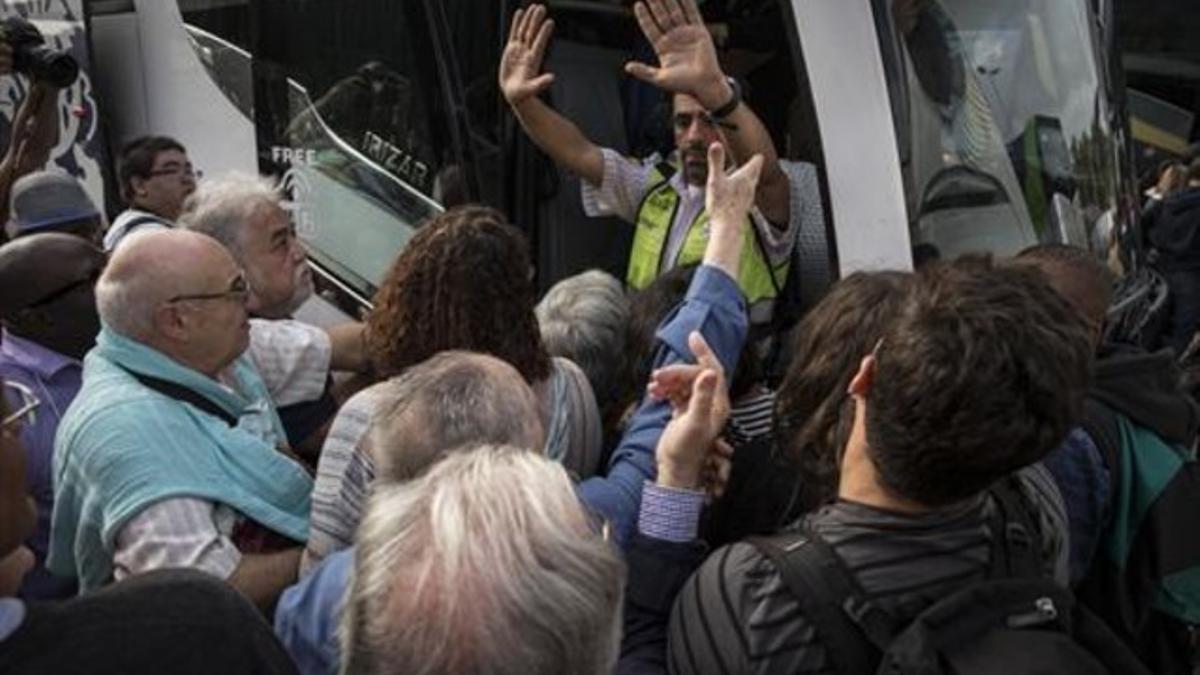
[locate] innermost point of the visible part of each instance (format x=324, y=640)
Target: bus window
x=1003, y=120
x=475, y=39
x=350, y=113
x=350, y=108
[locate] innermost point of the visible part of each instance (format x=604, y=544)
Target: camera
x=33, y=58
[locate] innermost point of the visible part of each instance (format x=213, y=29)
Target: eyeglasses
x=238, y=290
x=187, y=171
x=90, y=280
x=24, y=413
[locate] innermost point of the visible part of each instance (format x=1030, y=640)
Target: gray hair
x=584, y=318
x=488, y=564
x=454, y=398
x=222, y=207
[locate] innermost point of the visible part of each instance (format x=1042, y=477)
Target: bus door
x=757, y=43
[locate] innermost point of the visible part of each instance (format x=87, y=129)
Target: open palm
x=521, y=62
x=686, y=56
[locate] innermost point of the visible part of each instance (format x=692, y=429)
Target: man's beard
x=694, y=162
x=304, y=288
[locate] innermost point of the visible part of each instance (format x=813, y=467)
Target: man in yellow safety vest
x=665, y=199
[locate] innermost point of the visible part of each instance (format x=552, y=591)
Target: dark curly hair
x=812, y=412
x=463, y=282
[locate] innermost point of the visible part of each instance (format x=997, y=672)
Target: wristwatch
x=733, y=102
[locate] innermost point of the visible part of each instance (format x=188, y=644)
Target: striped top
x=750, y=417
x=736, y=615
x=346, y=470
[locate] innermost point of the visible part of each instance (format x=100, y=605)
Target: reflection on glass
x=350, y=112
x=353, y=207
x=1005, y=124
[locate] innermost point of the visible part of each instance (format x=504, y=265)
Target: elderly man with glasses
x=172, y=454
x=48, y=314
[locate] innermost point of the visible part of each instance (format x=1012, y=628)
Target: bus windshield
x=1002, y=122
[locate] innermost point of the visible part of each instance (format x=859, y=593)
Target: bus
x=946, y=126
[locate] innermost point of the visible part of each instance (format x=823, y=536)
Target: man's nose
x=695, y=128
x=299, y=254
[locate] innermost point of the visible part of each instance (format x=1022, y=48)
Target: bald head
x=451, y=400
x=149, y=269
x=36, y=266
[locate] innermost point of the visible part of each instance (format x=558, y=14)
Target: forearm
x=349, y=350
x=746, y=136
x=262, y=577
x=724, y=250
x=561, y=139
x=713, y=306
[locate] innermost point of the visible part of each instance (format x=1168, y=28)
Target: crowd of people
x=957, y=472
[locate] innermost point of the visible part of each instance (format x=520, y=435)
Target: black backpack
x=1017, y=621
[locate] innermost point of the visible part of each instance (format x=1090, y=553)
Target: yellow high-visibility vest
x=759, y=281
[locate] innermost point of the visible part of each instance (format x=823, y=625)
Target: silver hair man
x=584, y=318
x=487, y=564
x=452, y=399
x=247, y=215
x=220, y=207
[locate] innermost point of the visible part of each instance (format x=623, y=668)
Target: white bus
x=953, y=125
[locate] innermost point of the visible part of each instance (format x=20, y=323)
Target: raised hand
x=521, y=62
x=729, y=197
x=699, y=406
x=687, y=60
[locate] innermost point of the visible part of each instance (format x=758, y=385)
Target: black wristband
x=734, y=101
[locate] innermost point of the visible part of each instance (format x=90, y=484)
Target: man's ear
x=171, y=322
x=138, y=185
x=864, y=379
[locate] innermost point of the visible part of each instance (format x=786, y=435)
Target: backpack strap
x=1016, y=533
x=853, y=631
x=181, y=393
x=1102, y=426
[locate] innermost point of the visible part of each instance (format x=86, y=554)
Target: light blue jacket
x=122, y=446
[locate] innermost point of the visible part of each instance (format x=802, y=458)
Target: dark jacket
x=1173, y=228
x=1145, y=387
x=736, y=616
x=1154, y=496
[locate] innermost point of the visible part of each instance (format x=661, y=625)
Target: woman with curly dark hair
x=775, y=481
x=465, y=282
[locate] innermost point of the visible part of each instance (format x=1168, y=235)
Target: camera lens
x=57, y=68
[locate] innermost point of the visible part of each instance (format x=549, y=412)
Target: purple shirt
x=55, y=380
